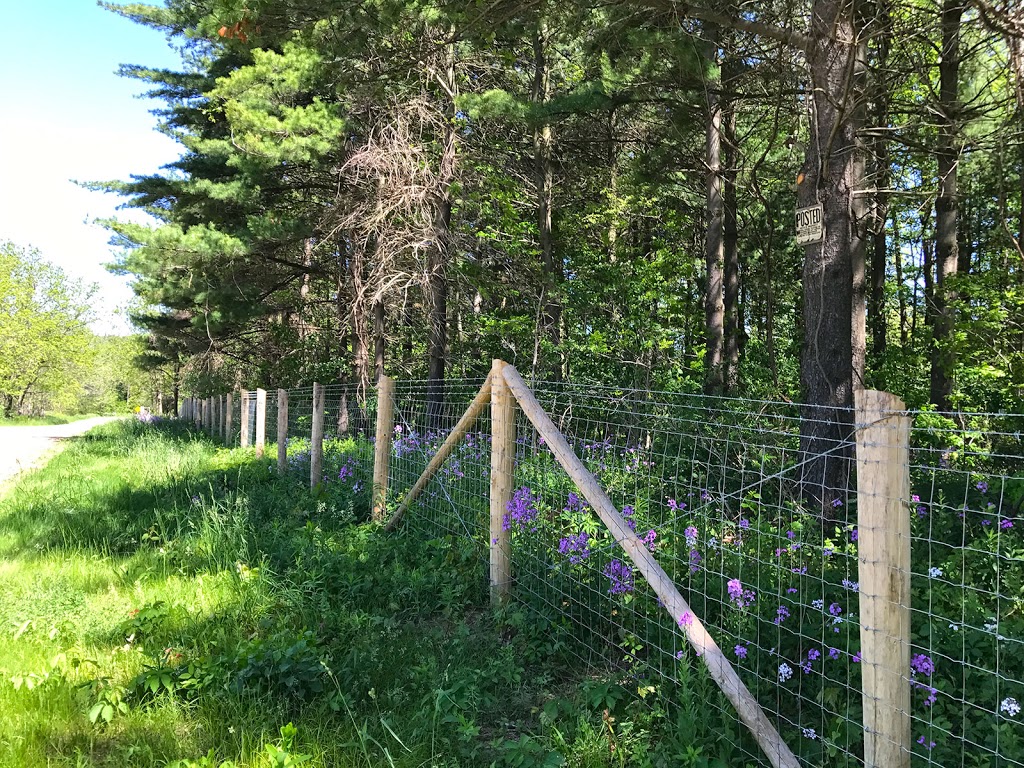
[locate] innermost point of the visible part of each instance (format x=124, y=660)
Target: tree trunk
x=946, y=208
x=859, y=223
x=543, y=139
x=438, y=254
x=830, y=178
x=879, y=153
x=379, y=340
x=714, y=253
x=733, y=327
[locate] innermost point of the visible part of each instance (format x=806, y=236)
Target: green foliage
x=45, y=344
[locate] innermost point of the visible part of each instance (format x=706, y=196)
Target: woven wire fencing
x=713, y=487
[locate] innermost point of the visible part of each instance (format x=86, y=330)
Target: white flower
x=934, y=573
x=785, y=672
x=955, y=627
x=818, y=604
x=1010, y=707
x=809, y=733
x=991, y=625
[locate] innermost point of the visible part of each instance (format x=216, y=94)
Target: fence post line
x=382, y=445
x=503, y=454
x=243, y=420
x=282, y=431
x=261, y=421
x=883, y=543
x=197, y=415
x=208, y=415
x=229, y=419
x=316, y=442
x=218, y=416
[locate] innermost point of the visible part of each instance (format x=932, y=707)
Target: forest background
x=603, y=193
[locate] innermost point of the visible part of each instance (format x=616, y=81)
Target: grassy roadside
x=169, y=600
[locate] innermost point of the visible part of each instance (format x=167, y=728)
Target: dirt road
x=24, y=447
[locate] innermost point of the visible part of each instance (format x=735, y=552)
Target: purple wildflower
x=577, y=548
x=744, y=523
x=691, y=535
x=522, y=511
x=621, y=577
x=695, y=560
x=922, y=664
x=814, y=654
x=1006, y=524
x=649, y=538
x=740, y=651
x=982, y=486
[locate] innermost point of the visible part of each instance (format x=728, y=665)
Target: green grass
x=166, y=599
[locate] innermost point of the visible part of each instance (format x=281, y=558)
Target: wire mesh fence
x=769, y=557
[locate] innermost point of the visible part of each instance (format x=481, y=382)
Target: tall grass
x=168, y=600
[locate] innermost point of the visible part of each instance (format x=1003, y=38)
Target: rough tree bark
x=714, y=254
x=946, y=207
x=543, y=141
x=830, y=177
x=731, y=255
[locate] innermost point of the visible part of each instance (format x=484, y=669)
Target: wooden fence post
x=243, y=420
x=503, y=454
x=261, y=421
x=316, y=442
x=197, y=412
x=883, y=543
x=208, y=415
x=282, y=431
x=382, y=446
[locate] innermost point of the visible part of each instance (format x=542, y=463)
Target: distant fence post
x=229, y=418
x=282, y=431
x=243, y=420
x=382, y=446
x=883, y=542
x=197, y=412
x=208, y=416
x=316, y=446
x=503, y=454
x=261, y=421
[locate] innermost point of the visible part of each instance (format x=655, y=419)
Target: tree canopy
x=603, y=192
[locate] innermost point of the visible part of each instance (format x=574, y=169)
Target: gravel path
x=22, y=448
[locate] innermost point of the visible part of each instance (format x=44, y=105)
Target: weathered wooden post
x=503, y=454
x=197, y=412
x=218, y=416
x=883, y=544
x=382, y=446
x=229, y=419
x=282, y=431
x=208, y=415
x=316, y=442
x=243, y=420
x=261, y=420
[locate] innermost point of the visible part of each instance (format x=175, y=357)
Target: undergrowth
x=172, y=603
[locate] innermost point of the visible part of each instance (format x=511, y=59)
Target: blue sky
x=67, y=116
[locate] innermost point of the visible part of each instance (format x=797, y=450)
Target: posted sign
x=809, y=227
